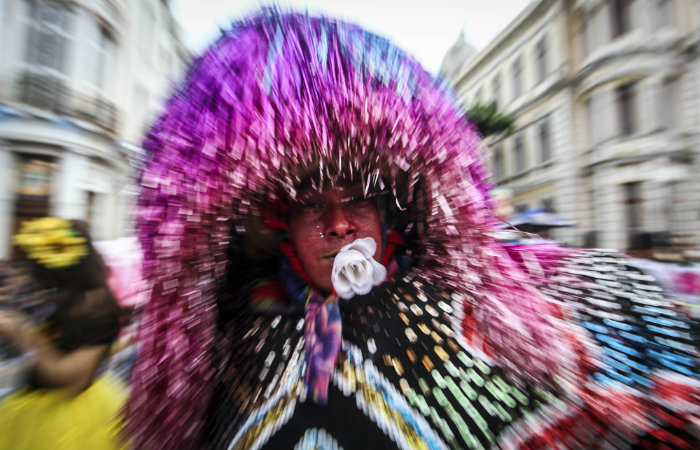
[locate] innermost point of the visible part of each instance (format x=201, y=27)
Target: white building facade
x=78, y=82
x=607, y=100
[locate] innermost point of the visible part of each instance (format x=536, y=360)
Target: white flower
x=354, y=269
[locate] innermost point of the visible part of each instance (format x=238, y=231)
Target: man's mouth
x=331, y=255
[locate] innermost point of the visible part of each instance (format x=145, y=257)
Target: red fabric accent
x=291, y=254
x=273, y=290
x=393, y=240
x=272, y=222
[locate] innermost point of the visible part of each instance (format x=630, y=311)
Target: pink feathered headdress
x=276, y=93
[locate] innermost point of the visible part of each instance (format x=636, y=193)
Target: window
x=625, y=108
x=545, y=146
x=34, y=175
x=100, y=46
x=43, y=83
x=517, y=78
x=669, y=103
x=48, y=36
x=591, y=31
x=496, y=88
x=498, y=170
x=541, y=58
x=592, y=129
x=620, y=17
x=581, y=37
x=633, y=208
x=547, y=204
x=671, y=205
x=519, y=154
x=90, y=209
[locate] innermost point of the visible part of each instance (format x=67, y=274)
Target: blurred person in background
x=319, y=241
x=656, y=255
x=64, y=405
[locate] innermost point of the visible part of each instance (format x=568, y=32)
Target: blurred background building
x=79, y=82
x=606, y=95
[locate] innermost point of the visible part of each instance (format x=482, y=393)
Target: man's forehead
x=332, y=191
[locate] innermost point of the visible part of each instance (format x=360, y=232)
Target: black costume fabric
x=407, y=379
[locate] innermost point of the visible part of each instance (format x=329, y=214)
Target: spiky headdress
x=276, y=96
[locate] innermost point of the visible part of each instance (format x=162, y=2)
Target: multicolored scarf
x=323, y=324
x=322, y=335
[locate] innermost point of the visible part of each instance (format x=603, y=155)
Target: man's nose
x=339, y=222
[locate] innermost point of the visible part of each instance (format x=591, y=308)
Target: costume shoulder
x=643, y=391
x=643, y=333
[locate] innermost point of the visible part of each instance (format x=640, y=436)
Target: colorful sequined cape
x=408, y=378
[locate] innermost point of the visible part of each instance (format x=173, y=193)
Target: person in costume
x=64, y=406
x=320, y=244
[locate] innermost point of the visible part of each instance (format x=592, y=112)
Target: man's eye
x=311, y=205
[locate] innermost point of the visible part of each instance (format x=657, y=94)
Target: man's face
x=324, y=222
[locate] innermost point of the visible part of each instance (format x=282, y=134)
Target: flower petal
x=354, y=269
x=366, y=246
x=378, y=273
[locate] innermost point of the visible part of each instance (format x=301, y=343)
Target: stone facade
x=609, y=93
x=79, y=81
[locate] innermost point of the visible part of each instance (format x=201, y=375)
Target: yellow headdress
x=51, y=242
